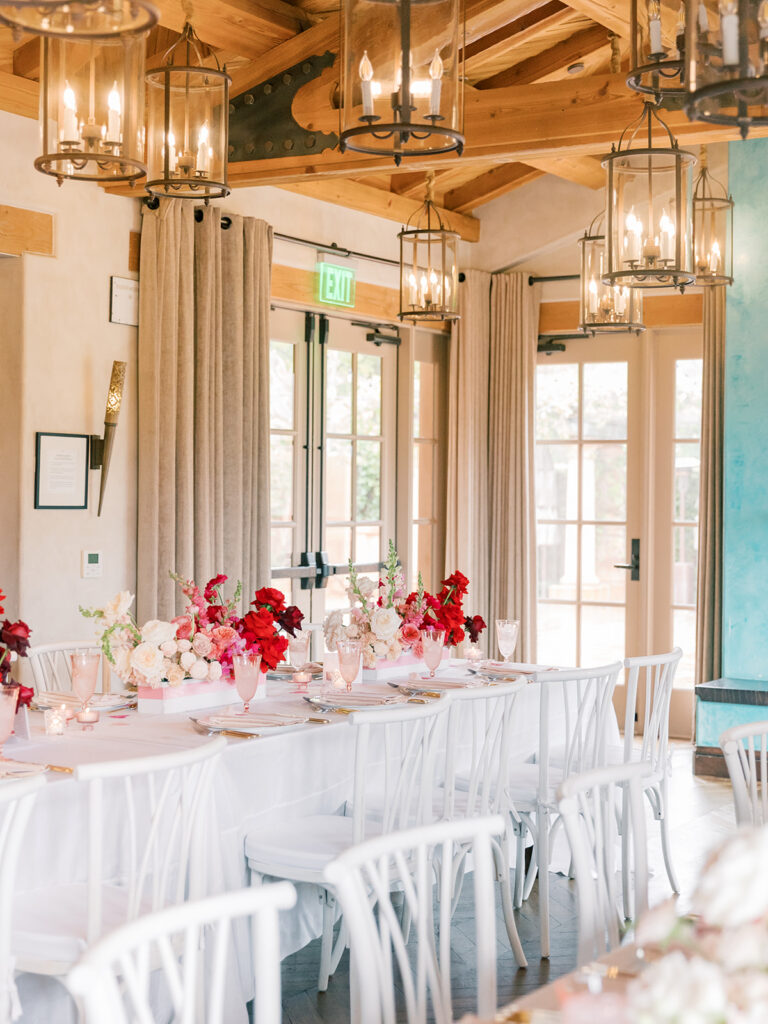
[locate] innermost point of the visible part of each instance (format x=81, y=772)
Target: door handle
x=634, y=565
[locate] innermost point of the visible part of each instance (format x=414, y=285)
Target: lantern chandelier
x=78, y=19
x=727, y=62
x=657, y=49
x=604, y=308
x=648, y=211
x=429, y=273
x=712, y=228
x=401, y=91
x=188, y=123
x=92, y=103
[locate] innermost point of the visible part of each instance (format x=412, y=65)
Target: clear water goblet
x=9, y=696
x=247, y=677
x=432, y=643
x=507, y=631
x=350, y=652
x=298, y=649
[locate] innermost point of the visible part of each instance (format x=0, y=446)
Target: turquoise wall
x=745, y=542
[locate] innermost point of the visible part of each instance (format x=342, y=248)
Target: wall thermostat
x=90, y=564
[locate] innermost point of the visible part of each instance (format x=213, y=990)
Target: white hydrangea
x=733, y=888
x=678, y=990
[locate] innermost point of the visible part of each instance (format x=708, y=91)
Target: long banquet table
x=284, y=775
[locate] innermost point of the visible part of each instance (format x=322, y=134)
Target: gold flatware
x=60, y=768
x=237, y=735
x=320, y=721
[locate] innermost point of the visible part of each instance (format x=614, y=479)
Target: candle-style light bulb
x=633, y=237
x=729, y=33
x=667, y=232
x=654, y=27
x=714, y=257
x=703, y=19
x=69, y=132
x=592, y=295
x=436, y=74
x=171, y=153
x=203, y=150
x=114, y=110
x=366, y=83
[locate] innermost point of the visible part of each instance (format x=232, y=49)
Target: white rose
x=175, y=675
x=733, y=888
x=199, y=669
x=394, y=650
x=116, y=610
x=366, y=586
x=122, y=656
x=678, y=990
x=183, y=645
x=147, y=660
x=385, y=623
x=187, y=660
x=214, y=670
x=157, y=632
x=333, y=628
x=169, y=648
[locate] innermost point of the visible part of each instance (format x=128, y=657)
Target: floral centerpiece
x=387, y=620
x=14, y=643
x=196, y=648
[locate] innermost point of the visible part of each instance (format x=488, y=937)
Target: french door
x=617, y=469
x=333, y=407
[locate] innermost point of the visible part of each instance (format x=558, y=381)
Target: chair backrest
x=651, y=676
x=16, y=800
x=584, y=698
x=591, y=805
x=162, y=832
x=480, y=721
x=116, y=978
x=417, y=863
x=745, y=748
x=397, y=764
x=51, y=667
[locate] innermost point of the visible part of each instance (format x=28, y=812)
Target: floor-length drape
x=709, y=587
x=514, y=332
x=467, y=524
x=203, y=402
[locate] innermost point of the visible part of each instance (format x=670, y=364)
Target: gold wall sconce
x=101, y=447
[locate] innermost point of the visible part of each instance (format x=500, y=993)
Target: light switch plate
x=90, y=564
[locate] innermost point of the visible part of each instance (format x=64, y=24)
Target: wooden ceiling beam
x=357, y=196
x=249, y=27
x=488, y=186
x=582, y=170
x=559, y=56
x=614, y=14
x=19, y=95
x=312, y=41
x=503, y=39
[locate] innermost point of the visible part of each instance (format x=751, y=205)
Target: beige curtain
x=513, y=340
x=203, y=402
x=466, y=534
x=709, y=587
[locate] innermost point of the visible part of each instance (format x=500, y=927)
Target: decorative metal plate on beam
x=261, y=123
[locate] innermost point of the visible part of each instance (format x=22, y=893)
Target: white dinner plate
x=99, y=701
x=254, y=722
x=355, y=701
x=423, y=684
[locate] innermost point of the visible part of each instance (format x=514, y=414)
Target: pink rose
x=184, y=627
x=223, y=637
x=410, y=634
x=202, y=645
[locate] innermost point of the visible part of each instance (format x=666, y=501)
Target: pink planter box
x=404, y=665
x=191, y=695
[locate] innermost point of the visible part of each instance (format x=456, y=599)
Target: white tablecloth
x=285, y=775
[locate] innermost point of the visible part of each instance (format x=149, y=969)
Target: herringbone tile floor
x=701, y=813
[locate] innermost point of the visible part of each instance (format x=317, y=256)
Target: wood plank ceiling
x=539, y=97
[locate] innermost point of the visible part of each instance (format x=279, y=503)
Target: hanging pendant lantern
x=604, y=308
x=188, y=123
x=79, y=19
x=727, y=62
x=712, y=229
x=92, y=107
x=401, y=91
x=648, y=213
x=657, y=49
x=429, y=270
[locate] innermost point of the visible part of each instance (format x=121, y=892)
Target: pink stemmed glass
x=432, y=642
x=9, y=696
x=247, y=677
x=85, y=674
x=349, y=652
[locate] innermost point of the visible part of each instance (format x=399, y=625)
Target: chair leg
x=519, y=834
x=326, y=944
x=543, y=859
x=666, y=849
x=624, y=830
x=501, y=858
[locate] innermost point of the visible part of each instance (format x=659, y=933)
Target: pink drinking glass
x=349, y=652
x=9, y=696
x=247, y=677
x=432, y=642
x=85, y=674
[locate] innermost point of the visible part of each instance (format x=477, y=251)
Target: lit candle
x=436, y=74
x=423, y=289
x=632, y=239
x=69, y=132
x=620, y=299
x=447, y=290
x=703, y=19
x=412, y=288
x=203, y=150
x=592, y=295
x=88, y=716
x=654, y=27
x=667, y=229
x=55, y=719
x=366, y=79
x=714, y=257
x=171, y=153
x=729, y=32
x=113, y=115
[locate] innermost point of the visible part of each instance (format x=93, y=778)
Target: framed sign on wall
x=61, y=470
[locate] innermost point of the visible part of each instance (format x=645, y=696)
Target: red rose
x=272, y=651
x=258, y=626
x=2, y=598
x=271, y=598
x=454, y=587
x=212, y=585
x=26, y=693
x=216, y=613
x=291, y=619
x=474, y=625
x=15, y=635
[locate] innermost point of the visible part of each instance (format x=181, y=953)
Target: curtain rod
x=532, y=279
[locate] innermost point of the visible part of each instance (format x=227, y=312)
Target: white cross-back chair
x=480, y=722
x=149, y=856
x=51, y=667
x=649, y=691
x=396, y=760
x=418, y=863
x=189, y=947
x=582, y=699
x=745, y=748
x=16, y=800
x=589, y=806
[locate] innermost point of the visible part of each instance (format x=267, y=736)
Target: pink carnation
x=410, y=634
x=184, y=627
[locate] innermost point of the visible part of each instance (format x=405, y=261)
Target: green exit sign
x=334, y=285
